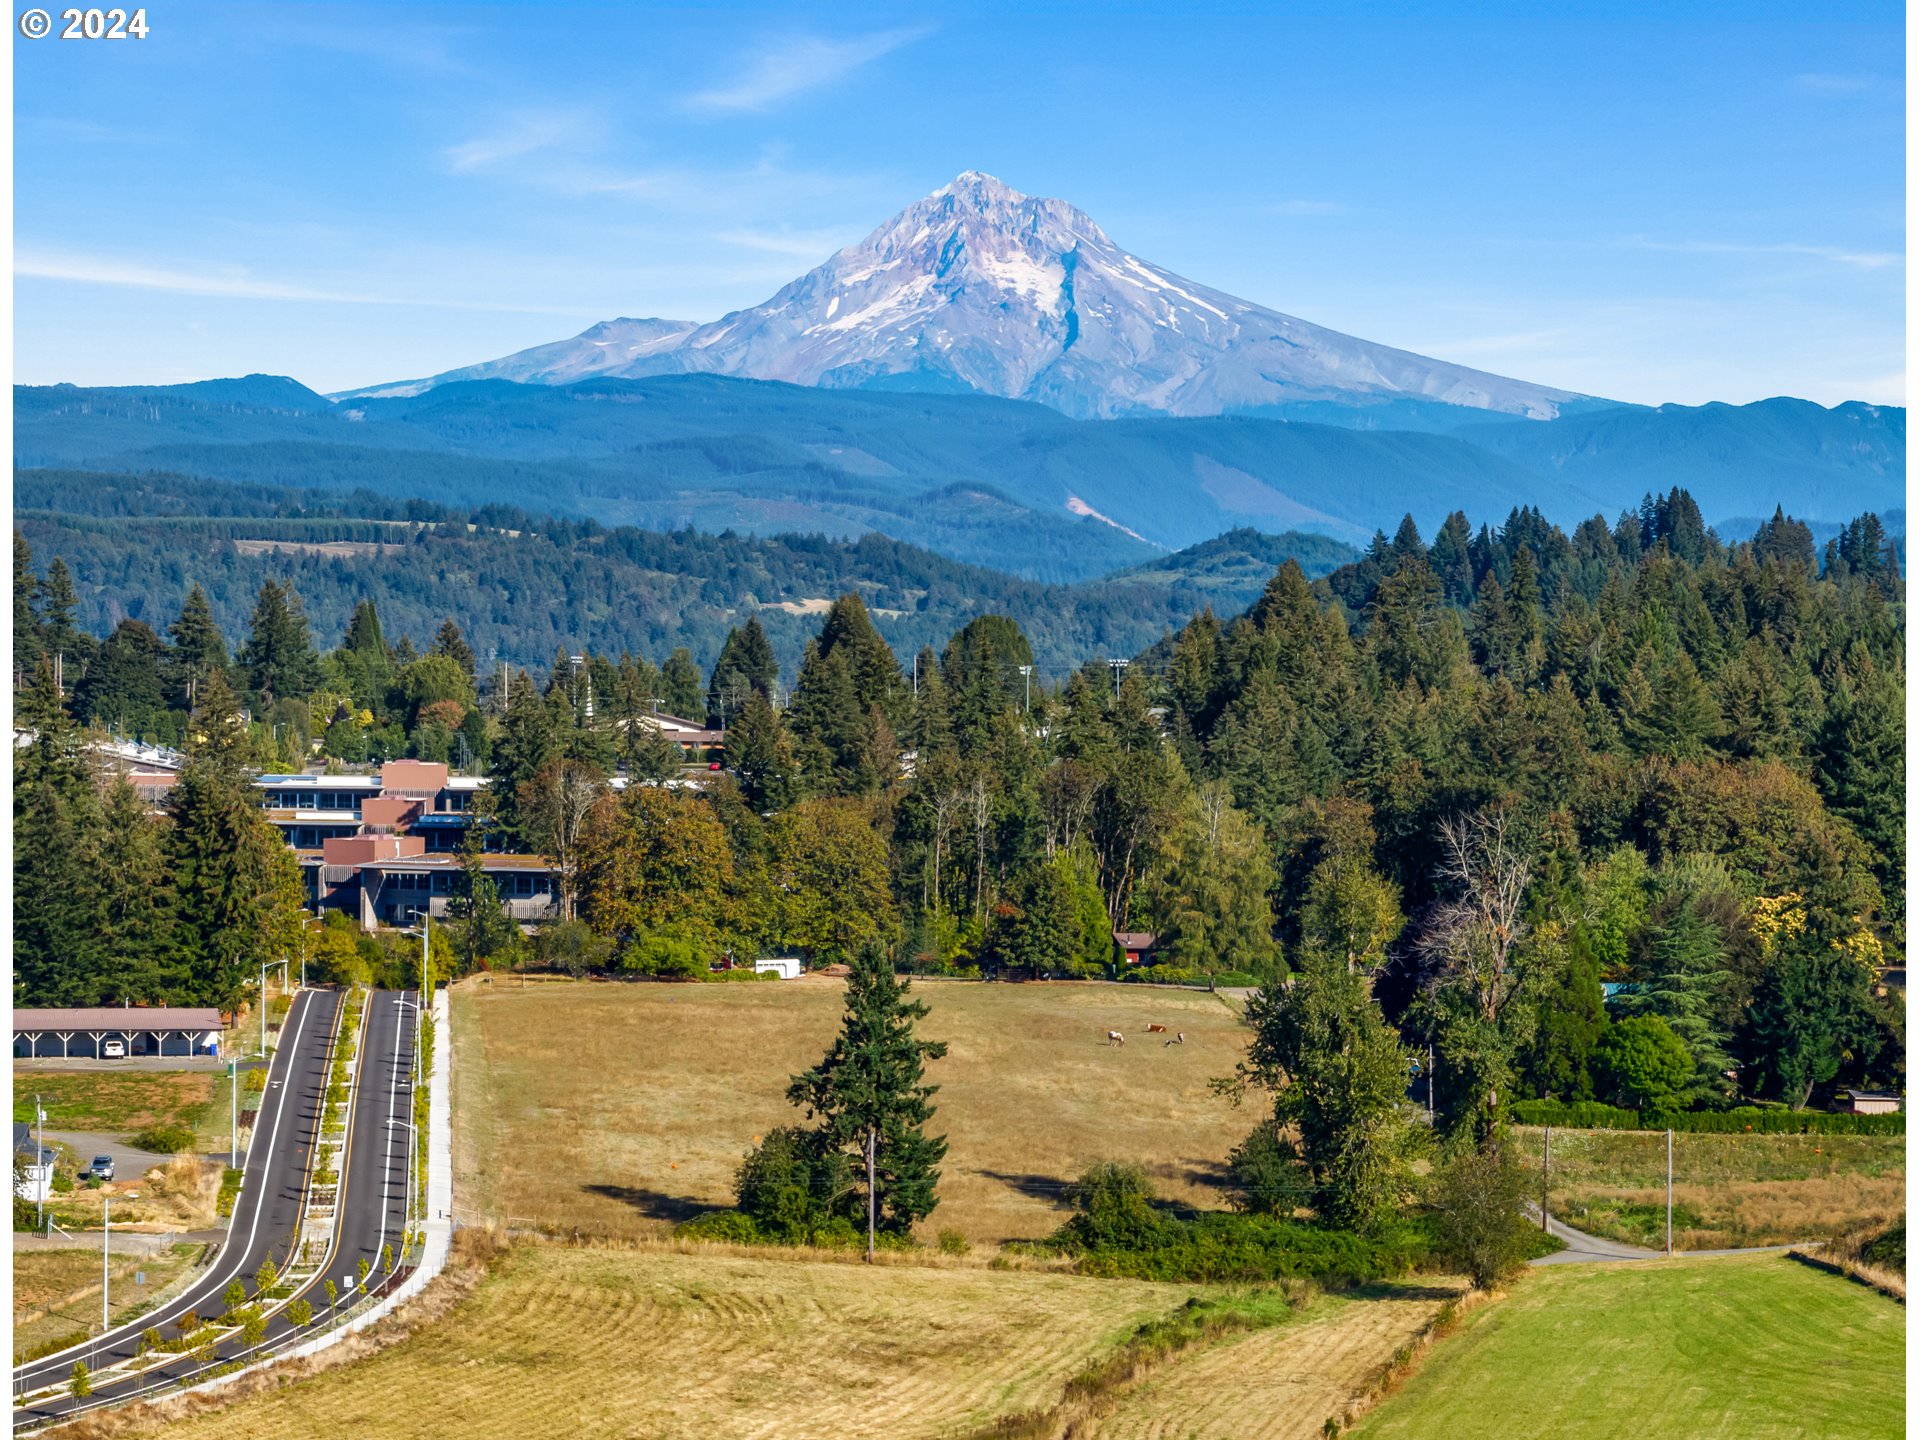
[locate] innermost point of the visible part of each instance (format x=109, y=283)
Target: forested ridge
x=1491, y=772
x=524, y=585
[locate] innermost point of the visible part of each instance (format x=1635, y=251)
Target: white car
x=113, y=1049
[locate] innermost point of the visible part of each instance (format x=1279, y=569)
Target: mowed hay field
x=1728, y=1190
x=1724, y=1348
x=123, y=1102
x=1284, y=1383
x=583, y=1342
x=621, y=1109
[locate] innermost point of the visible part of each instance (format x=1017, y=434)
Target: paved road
x=130, y=1162
x=1585, y=1249
x=372, y=1213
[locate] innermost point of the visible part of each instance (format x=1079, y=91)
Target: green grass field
x=124, y=1102
x=1737, y=1348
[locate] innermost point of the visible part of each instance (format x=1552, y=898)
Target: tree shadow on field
x=656, y=1204
x=1208, y=1175
x=1050, y=1188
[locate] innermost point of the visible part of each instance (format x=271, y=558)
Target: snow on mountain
x=978, y=287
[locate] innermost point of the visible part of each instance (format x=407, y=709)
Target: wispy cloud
x=1833, y=85
x=1837, y=254
x=800, y=244
x=524, y=134
x=231, y=284
x=789, y=67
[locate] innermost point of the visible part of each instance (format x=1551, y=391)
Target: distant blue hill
x=1005, y=483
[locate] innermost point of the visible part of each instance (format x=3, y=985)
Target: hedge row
x=1592, y=1115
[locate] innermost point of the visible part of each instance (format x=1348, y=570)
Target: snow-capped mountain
x=978, y=287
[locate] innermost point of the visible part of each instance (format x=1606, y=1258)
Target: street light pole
x=233, y=1122
x=1026, y=677
x=106, y=1230
x=40, y=1163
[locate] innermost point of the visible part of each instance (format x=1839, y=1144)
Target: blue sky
x=1650, y=202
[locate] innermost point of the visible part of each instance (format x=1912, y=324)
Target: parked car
x=101, y=1169
x=113, y=1049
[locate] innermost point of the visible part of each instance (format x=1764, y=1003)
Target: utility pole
x=1546, y=1168
x=873, y=1134
x=40, y=1162
x=1669, y=1194
x=1026, y=676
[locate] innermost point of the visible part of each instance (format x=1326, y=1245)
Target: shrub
x=253, y=1327
x=300, y=1312
x=234, y=1297
x=48, y=1347
x=1265, y=1174
x=1115, y=1202
x=150, y=1339
x=665, y=954
x=82, y=1385
x=1888, y=1249
x=952, y=1242
x=165, y=1139
x=1477, y=1200
x=731, y=1227
x=793, y=1185
x=1641, y=1062
x=267, y=1276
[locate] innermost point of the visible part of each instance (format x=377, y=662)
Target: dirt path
x=1279, y=1384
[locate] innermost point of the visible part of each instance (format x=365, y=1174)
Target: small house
x=33, y=1165
x=787, y=967
x=1866, y=1102
x=1135, y=946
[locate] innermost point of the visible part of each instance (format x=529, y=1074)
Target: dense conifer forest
x=1501, y=773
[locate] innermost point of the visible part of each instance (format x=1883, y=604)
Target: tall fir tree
x=199, y=649
x=869, y=1092
x=278, y=657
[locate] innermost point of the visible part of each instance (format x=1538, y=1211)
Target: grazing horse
x=1156, y=1029
x=1179, y=1038
x=1114, y=1037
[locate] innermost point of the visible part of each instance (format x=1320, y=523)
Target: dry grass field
x=1729, y=1190
x=585, y=1343
x=56, y=1292
x=1284, y=1383
x=623, y=1108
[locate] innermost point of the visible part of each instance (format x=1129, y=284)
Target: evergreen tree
x=59, y=956
x=525, y=744
x=59, y=635
x=278, y=657
x=1812, y=1019
x=1861, y=766
x=1208, y=894
x=869, y=1092
x=448, y=641
x=681, y=693
x=746, y=665
x=26, y=608
x=137, y=904
x=1572, y=1019
x=199, y=648
x=1686, y=966
x=1449, y=559
x=365, y=667
x=760, y=755
x=124, y=688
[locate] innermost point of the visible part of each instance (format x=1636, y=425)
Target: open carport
x=80, y=1032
